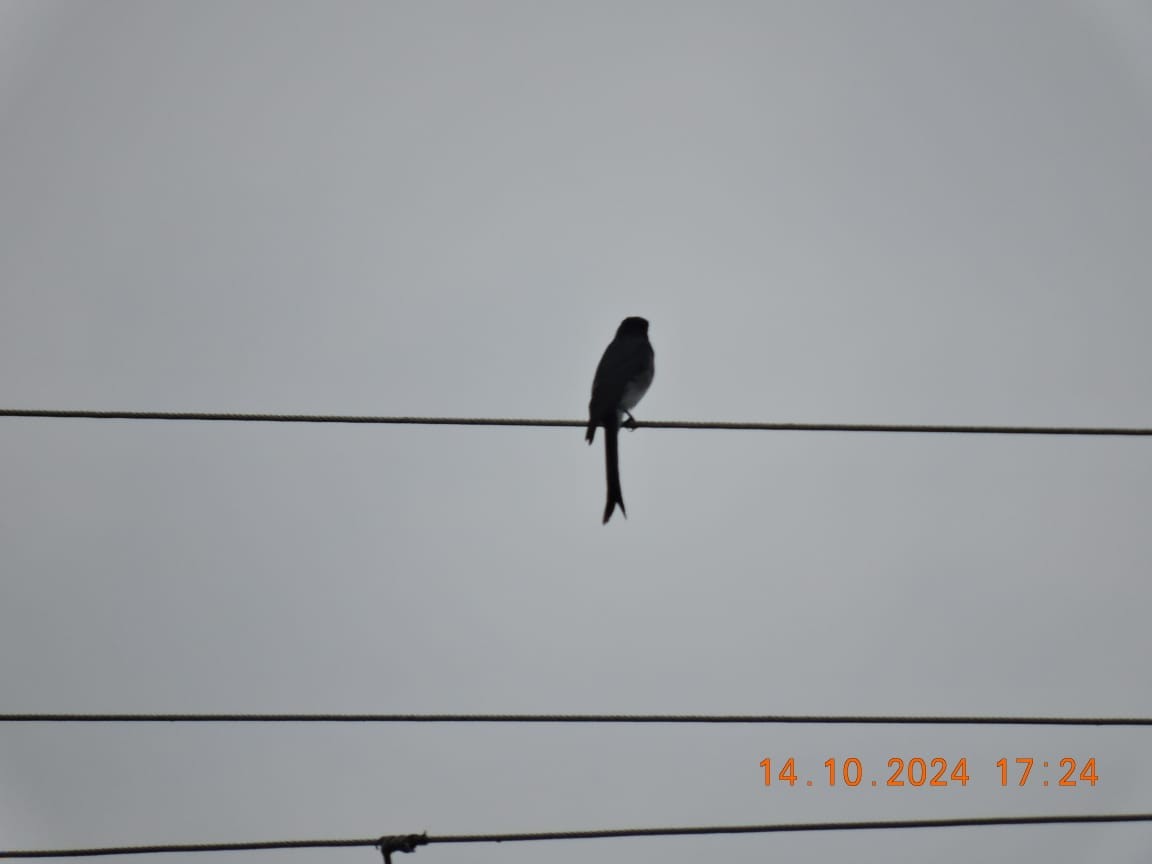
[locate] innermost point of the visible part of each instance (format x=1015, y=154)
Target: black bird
x=622, y=378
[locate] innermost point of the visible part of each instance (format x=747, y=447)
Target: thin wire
x=419, y=839
x=843, y=719
x=963, y=429
x=92, y=852
x=874, y=825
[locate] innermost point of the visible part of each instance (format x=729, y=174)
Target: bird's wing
x=623, y=362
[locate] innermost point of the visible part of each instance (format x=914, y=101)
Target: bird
x=622, y=378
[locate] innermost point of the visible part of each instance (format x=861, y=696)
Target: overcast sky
x=891, y=211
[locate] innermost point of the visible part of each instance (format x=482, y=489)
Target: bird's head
x=633, y=326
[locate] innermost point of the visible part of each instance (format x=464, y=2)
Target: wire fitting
x=400, y=843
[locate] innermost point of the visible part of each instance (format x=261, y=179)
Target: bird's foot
x=630, y=423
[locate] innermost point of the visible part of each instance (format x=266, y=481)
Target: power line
x=409, y=842
x=962, y=429
x=789, y=827
x=94, y=851
x=841, y=719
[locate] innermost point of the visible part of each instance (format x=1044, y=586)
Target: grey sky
x=875, y=212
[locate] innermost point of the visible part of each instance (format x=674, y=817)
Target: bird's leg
x=630, y=423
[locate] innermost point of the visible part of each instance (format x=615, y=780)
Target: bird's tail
x=612, y=464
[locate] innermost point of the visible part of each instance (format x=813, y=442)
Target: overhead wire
x=408, y=842
x=920, y=428
x=797, y=719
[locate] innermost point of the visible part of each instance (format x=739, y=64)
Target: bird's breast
x=634, y=391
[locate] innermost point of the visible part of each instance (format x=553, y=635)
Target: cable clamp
x=400, y=843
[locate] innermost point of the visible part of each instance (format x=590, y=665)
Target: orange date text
x=930, y=772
